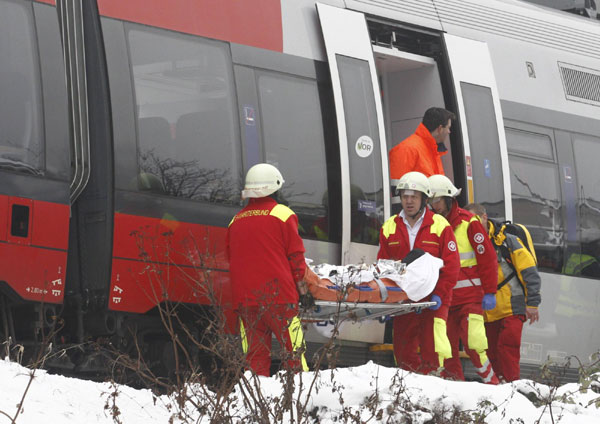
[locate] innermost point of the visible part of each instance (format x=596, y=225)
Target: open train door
x=362, y=146
x=480, y=116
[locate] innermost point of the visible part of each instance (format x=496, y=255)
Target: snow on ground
x=58, y=399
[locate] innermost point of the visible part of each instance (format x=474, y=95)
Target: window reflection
x=584, y=260
x=366, y=175
x=537, y=201
x=294, y=141
x=21, y=135
x=187, y=140
x=485, y=148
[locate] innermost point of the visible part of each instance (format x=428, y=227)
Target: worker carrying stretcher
x=420, y=340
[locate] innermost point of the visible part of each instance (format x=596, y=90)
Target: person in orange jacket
x=475, y=289
x=420, y=340
x=422, y=151
x=267, y=271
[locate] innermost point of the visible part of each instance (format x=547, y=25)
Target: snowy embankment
x=366, y=393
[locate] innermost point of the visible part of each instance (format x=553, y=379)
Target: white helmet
x=261, y=180
x=441, y=186
x=414, y=181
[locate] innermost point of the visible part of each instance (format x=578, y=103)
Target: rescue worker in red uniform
x=422, y=151
x=475, y=289
x=420, y=340
x=267, y=267
x=518, y=298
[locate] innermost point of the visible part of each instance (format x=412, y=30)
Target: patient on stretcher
x=386, y=281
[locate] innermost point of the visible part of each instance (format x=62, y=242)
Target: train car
x=126, y=128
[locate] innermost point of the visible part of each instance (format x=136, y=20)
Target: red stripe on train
x=33, y=273
x=161, y=259
x=254, y=23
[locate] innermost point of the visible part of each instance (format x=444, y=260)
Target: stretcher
x=333, y=311
x=387, y=281
x=374, y=291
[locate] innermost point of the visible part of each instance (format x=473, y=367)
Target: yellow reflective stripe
x=477, y=340
x=282, y=212
x=440, y=340
x=439, y=224
x=297, y=339
x=389, y=226
x=467, y=254
x=243, y=337
x=467, y=283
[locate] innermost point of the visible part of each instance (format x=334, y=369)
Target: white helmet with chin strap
x=261, y=180
x=441, y=186
x=415, y=181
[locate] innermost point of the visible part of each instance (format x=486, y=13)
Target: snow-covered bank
x=369, y=393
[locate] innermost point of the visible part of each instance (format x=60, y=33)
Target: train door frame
x=470, y=63
x=411, y=84
x=346, y=34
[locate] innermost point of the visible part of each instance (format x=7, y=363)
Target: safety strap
x=506, y=280
x=506, y=255
x=382, y=289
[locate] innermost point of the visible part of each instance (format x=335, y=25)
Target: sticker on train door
x=364, y=146
x=487, y=168
x=469, y=167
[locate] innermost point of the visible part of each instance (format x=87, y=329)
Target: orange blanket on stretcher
x=375, y=291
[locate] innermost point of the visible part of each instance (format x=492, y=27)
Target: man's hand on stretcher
x=306, y=301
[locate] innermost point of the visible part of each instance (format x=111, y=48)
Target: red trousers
x=258, y=325
x=504, y=339
x=465, y=323
x=419, y=344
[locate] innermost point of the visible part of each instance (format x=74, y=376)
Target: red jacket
x=419, y=152
x=435, y=237
x=478, y=263
x=266, y=254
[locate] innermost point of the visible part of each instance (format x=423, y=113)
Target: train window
x=529, y=143
x=20, y=221
x=366, y=174
x=21, y=119
x=188, y=143
x=485, y=148
x=294, y=141
x=585, y=261
x=536, y=202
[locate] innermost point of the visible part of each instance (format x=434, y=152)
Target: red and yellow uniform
x=426, y=330
x=478, y=276
x=266, y=260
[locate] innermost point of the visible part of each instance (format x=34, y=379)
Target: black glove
x=307, y=301
x=413, y=255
